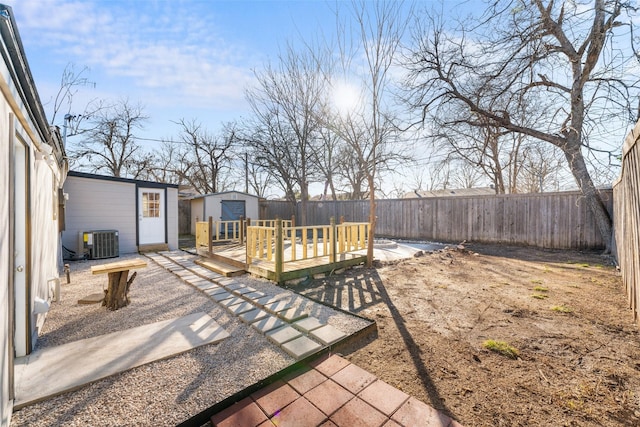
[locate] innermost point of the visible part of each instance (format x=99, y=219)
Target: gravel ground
x=165, y=392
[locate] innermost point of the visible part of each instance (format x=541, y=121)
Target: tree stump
x=117, y=293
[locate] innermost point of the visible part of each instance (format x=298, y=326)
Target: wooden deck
x=235, y=255
x=286, y=253
x=306, y=267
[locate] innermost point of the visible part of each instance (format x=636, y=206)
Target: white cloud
x=170, y=47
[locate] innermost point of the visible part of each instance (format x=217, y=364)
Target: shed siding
x=96, y=204
x=211, y=206
x=172, y=218
x=197, y=213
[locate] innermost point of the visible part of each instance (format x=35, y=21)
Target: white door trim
x=21, y=250
x=152, y=214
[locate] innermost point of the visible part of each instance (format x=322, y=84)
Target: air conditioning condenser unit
x=99, y=244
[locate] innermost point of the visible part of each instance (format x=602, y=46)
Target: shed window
x=151, y=205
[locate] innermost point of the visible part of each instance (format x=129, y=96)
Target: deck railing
x=218, y=231
x=286, y=223
x=282, y=245
x=231, y=231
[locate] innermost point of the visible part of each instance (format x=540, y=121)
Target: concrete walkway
x=40, y=375
x=285, y=325
x=331, y=391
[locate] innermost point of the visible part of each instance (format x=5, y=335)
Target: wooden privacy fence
x=626, y=197
x=550, y=220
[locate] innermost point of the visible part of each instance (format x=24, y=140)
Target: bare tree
x=541, y=166
x=328, y=157
x=70, y=81
x=466, y=175
x=440, y=175
x=354, y=157
x=379, y=29
x=163, y=163
x=109, y=144
x=200, y=158
x=260, y=179
x=268, y=148
x=286, y=104
x=551, y=54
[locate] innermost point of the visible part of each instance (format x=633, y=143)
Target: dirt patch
x=564, y=312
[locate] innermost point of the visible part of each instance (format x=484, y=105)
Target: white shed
x=142, y=214
x=225, y=206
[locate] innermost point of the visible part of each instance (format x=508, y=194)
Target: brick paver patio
x=331, y=391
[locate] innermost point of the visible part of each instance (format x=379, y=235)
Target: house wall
x=96, y=204
x=45, y=237
x=6, y=261
x=19, y=122
x=172, y=218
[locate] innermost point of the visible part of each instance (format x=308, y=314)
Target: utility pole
x=246, y=173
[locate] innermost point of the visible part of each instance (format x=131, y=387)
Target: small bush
x=561, y=309
x=541, y=289
x=539, y=296
x=502, y=348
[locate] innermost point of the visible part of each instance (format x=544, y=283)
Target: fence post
x=293, y=221
x=210, y=243
x=279, y=250
x=241, y=231
x=332, y=240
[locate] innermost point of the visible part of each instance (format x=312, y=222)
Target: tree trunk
x=304, y=198
x=592, y=197
x=372, y=221
x=117, y=293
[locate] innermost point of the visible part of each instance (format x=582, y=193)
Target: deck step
x=156, y=247
x=219, y=267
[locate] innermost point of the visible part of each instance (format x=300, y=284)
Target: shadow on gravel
x=361, y=288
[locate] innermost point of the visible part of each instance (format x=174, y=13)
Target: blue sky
x=179, y=59
x=188, y=59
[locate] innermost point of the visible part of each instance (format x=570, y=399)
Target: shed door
x=232, y=210
x=151, y=221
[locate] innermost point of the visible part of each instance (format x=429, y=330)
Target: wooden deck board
x=223, y=268
x=303, y=268
x=236, y=255
x=113, y=267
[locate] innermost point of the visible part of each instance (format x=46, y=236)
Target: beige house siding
x=23, y=124
x=6, y=260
